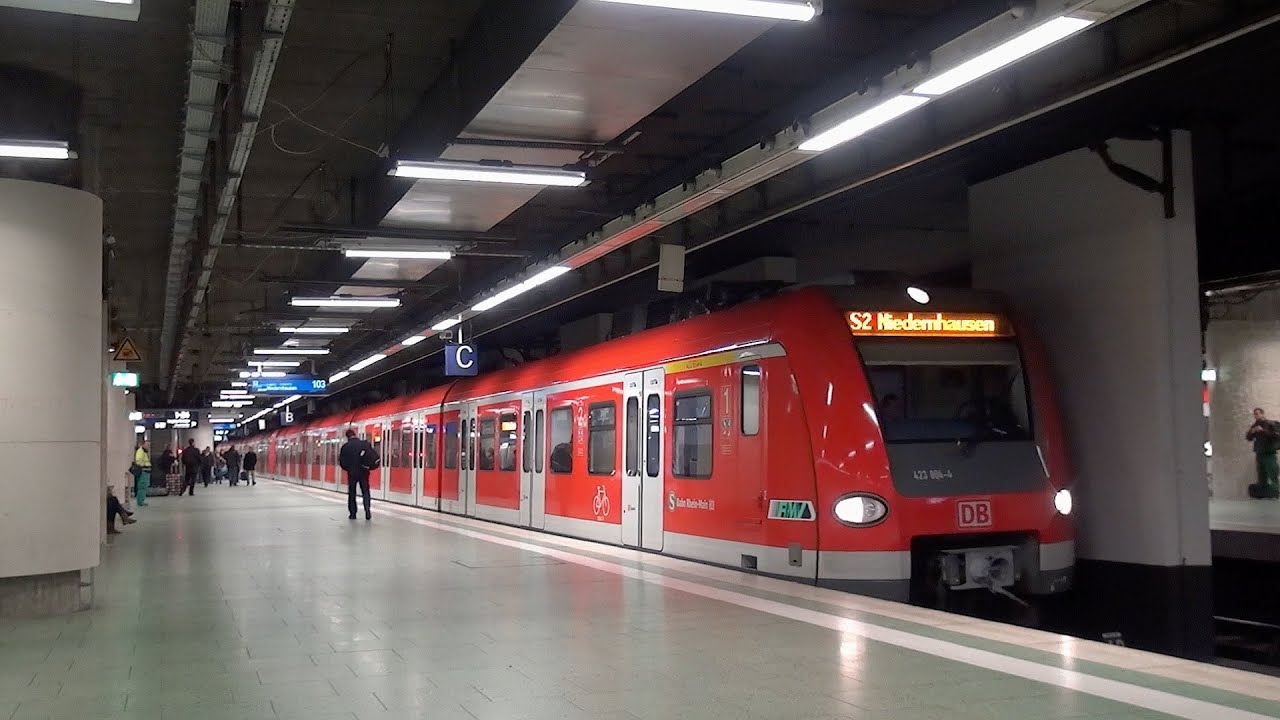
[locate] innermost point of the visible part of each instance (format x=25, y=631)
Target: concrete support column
x=119, y=440
x=50, y=395
x=1111, y=285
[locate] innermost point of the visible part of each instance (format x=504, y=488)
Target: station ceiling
x=641, y=99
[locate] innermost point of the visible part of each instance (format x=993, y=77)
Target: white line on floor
x=1157, y=700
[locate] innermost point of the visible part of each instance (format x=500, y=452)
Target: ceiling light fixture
x=484, y=173
x=35, y=149
x=540, y=279
x=231, y=403
x=446, y=324
x=413, y=340
x=345, y=302
x=338, y=376
x=315, y=330
x=864, y=122
x=275, y=363
x=1001, y=55
x=366, y=362
x=262, y=374
x=291, y=351
x=401, y=254
x=772, y=9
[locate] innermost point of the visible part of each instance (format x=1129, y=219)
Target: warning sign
x=127, y=352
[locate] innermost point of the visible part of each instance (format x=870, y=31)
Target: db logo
x=973, y=513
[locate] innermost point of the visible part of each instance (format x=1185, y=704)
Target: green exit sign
x=790, y=510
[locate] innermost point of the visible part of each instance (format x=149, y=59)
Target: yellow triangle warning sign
x=127, y=352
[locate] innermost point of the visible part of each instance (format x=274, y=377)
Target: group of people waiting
x=196, y=465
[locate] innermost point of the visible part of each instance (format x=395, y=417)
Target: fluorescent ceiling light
x=773, y=9
x=476, y=172
x=275, y=363
x=366, y=362
x=239, y=384
x=413, y=340
x=346, y=302
x=234, y=392
x=35, y=149
x=261, y=374
x=135, y=416
x=446, y=324
x=864, y=122
x=540, y=279
x=338, y=376
x=286, y=401
x=290, y=351
x=315, y=330
x=221, y=420
x=1004, y=54
x=401, y=254
x=230, y=403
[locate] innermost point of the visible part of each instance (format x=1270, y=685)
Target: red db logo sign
x=973, y=513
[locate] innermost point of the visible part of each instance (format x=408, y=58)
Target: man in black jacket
x=251, y=465
x=190, y=467
x=357, y=457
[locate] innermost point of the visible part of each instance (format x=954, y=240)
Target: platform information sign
x=289, y=386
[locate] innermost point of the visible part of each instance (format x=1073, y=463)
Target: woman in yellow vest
x=142, y=471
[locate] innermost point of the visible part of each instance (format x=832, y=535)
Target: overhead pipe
x=278, y=15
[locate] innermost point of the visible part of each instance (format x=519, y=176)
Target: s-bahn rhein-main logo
x=678, y=503
x=883, y=323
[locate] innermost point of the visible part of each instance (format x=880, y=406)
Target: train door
x=429, y=488
x=632, y=451
x=653, y=484
x=467, y=465
x=373, y=433
x=533, y=478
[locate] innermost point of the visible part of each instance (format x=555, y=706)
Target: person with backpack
x=358, y=458
x=1265, y=436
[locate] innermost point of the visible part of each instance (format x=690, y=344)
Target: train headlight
x=1062, y=501
x=860, y=510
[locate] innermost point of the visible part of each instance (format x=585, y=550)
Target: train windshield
x=948, y=390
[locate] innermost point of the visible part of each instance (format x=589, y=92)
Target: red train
x=854, y=439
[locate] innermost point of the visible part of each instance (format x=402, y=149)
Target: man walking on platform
x=190, y=467
x=142, y=471
x=357, y=457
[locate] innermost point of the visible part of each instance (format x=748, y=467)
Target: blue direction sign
x=289, y=386
x=460, y=360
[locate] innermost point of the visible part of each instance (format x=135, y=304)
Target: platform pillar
x=1109, y=280
x=51, y=375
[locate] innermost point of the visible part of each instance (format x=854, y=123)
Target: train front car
x=948, y=479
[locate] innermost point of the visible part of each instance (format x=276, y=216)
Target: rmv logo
x=973, y=514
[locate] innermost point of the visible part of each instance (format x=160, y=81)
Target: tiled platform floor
x=266, y=602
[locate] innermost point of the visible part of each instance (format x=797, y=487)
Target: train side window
x=451, y=446
x=652, y=434
x=528, y=441
x=431, y=447
x=751, y=400
x=632, y=459
x=691, y=443
x=539, y=443
x=488, y=436
x=562, y=440
x=507, y=442
x=602, y=438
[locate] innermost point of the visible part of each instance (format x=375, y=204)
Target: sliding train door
x=533, y=478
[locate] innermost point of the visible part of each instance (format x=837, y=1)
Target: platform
x=1245, y=529
x=267, y=602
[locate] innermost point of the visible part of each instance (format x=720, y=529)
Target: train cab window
x=947, y=402
x=451, y=446
x=528, y=442
x=602, y=438
x=691, y=441
x=652, y=435
x=562, y=440
x=539, y=443
x=507, y=442
x=431, y=448
x=751, y=400
x=632, y=442
x=488, y=435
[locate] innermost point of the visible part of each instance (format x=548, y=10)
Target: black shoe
x=368, y=515
x=353, y=517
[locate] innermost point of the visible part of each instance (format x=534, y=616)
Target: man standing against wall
x=1266, y=440
x=357, y=457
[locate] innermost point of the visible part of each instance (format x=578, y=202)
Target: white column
x=50, y=388
x=1111, y=285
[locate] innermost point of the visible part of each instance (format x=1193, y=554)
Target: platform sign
x=289, y=386
x=127, y=352
x=460, y=360
x=124, y=379
x=892, y=323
